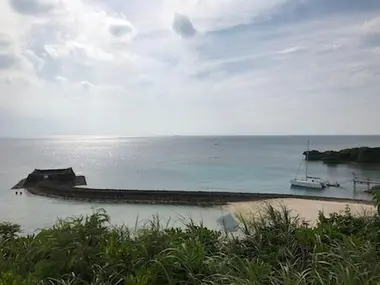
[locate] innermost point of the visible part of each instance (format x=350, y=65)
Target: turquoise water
x=250, y=164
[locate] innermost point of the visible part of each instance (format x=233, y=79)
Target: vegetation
x=274, y=248
x=356, y=154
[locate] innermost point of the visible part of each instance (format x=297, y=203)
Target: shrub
x=274, y=248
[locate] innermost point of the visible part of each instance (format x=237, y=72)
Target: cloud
x=292, y=50
x=87, y=85
x=75, y=49
x=297, y=10
x=7, y=60
x=371, y=32
x=120, y=27
x=119, y=30
x=183, y=26
x=61, y=79
x=247, y=64
x=5, y=40
x=80, y=43
x=372, y=26
x=32, y=7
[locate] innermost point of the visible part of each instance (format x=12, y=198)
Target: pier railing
x=370, y=183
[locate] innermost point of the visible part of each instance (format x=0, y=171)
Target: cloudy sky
x=178, y=67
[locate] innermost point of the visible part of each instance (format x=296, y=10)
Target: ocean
x=229, y=163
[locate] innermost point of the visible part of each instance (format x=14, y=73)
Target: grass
x=274, y=248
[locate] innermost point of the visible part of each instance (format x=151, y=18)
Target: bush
x=274, y=248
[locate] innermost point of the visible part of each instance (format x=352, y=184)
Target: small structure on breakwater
x=63, y=176
x=58, y=176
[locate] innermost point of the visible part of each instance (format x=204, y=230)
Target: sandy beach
x=306, y=209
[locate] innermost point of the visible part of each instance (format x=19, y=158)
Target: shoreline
x=306, y=210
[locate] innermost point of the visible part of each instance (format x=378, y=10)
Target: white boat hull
x=308, y=183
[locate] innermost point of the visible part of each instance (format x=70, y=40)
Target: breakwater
x=173, y=197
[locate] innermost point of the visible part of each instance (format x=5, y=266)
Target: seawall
x=174, y=197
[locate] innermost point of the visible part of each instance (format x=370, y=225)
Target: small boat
x=335, y=184
x=308, y=181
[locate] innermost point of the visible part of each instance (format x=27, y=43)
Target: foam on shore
x=306, y=209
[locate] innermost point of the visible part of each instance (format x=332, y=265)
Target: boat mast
x=307, y=156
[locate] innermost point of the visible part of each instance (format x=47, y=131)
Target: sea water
x=262, y=164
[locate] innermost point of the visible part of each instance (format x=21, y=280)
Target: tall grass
x=274, y=248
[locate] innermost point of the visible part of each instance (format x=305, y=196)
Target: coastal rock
x=357, y=154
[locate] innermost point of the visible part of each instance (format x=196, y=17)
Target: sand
x=306, y=209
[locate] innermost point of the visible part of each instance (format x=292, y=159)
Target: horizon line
x=173, y=136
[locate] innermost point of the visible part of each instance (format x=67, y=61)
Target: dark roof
x=53, y=171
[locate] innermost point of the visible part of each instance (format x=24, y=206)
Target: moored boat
x=308, y=181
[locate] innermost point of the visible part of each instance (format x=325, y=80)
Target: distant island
x=357, y=154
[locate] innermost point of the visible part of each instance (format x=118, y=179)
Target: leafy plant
x=272, y=248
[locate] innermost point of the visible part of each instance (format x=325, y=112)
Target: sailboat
x=308, y=181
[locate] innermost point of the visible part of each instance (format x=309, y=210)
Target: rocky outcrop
x=358, y=154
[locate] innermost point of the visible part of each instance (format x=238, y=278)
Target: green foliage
x=274, y=248
x=8, y=230
x=376, y=198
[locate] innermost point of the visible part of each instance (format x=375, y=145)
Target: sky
x=189, y=67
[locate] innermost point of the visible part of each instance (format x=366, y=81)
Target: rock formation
x=358, y=154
